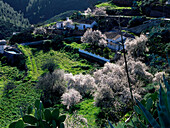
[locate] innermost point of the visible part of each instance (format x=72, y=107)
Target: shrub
x=50, y=65
x=53, y=86
x=104, y=97
x=96, y=38
x=163, y=108
x=40, y=30
x=99, y=11
x=42, y=118
x=135, y=21
x=71, y=97
x=76, y=121
x=8, y=87
x=114, y=76
x=85, y=84
x=137, y=46
x=158, y=77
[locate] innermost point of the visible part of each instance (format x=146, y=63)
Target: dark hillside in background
x=10, y=21
x=41, y=10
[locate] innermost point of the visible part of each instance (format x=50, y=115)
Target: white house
x=80, y=24
x=60, y=25
x=2, y=45
x=83, y=24
x=114, y=40
x=168, y=2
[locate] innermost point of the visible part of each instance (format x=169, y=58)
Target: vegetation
x=87, y=95
x=43, y=118
x=111, y=6
x=8, y=23
x=39, y=11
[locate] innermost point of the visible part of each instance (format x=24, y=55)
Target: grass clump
x=111, y=6
x=89, y=111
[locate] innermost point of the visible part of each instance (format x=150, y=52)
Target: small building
x=60, y=25
x=2, y=46
x=114, y=41
x=168, y=2
x=83, y=24
x=79, y=24
x=15, y=33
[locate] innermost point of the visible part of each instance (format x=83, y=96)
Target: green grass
x=22, y=96
x=1, y=87
x=111, y=6
x=89, y=111
x=30, y=62
x=25, y=92
x=79, y=46
x=69, y=62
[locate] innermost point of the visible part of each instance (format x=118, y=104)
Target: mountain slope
x=10, y=20
x=41, y=10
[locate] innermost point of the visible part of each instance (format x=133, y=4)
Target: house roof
x=2, y=42
x=112, y=35
x=84, y=21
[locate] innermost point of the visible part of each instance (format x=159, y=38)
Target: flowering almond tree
x=99, y=11
x=137, y=46
x=85, y=84
x=95, y=38
x=71, y=98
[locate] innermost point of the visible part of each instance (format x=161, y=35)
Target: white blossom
x=40, y=30
x=137, y=46
x=100, y=11
x=85, y=84
x=88, y=11
x=71, y=97
x=94, y=38
x=158, y=77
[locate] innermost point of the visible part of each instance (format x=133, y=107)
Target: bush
x=85, y=84
x=8, y=87
x=71, y=97
x=137, y=46
x=40, y=30
x=114, y=76
x=50, y=65
x=42, y=118
x=104, y=97
x=53, y=86
x=136, y=21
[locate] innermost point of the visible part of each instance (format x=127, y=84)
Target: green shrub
x=42, y=118
x=163, y=108
x=136, y=21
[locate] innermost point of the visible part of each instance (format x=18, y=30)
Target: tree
x=71, y=98
x=85, y=84
x=137, y=46
x=40, y=30
x=95, y=38
x=53, y=86
x=88, y=11
x=99, y=12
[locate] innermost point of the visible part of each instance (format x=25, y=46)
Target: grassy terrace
x=111, y=6
x=25, y=92
x=68, y=62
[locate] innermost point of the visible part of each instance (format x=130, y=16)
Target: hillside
x=10, y=20
x=67, y=73
x=41, y=10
